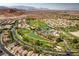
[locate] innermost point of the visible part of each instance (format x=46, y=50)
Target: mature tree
x=59, y=40
x=75, y=41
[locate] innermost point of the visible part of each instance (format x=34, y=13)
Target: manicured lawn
x=38, y=24
x=34, y=38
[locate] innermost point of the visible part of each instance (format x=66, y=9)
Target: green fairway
x=38, y=24
x=33, y=38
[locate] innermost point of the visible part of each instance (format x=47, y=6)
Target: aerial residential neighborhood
x=30, y=31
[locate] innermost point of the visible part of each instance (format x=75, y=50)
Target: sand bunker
x=76, y=33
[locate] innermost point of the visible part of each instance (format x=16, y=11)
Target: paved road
x=5, y=51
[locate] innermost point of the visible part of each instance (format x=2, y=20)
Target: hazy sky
x=57, y=6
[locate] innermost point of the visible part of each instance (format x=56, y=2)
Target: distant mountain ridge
x=3, y=7
x=23, y=7
x=28, y=8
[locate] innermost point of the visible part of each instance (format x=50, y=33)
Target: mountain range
x=28, y=8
